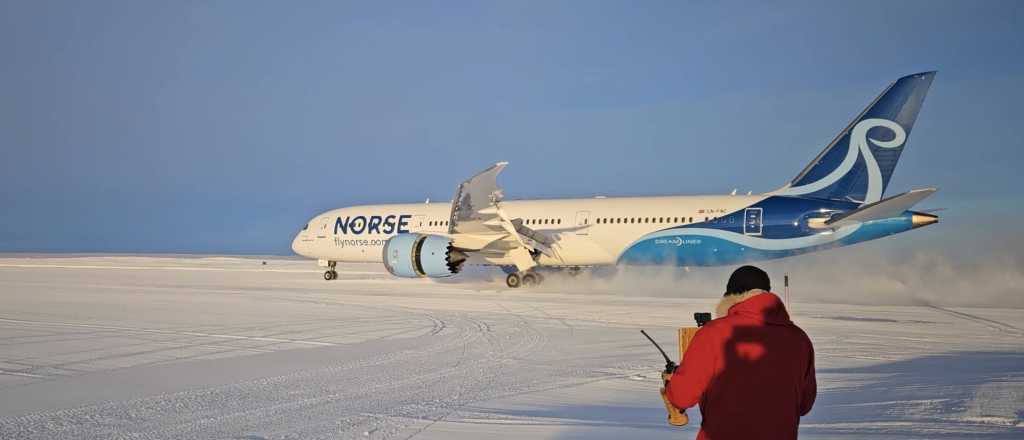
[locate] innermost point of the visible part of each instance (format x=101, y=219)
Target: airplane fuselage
x=679, y=230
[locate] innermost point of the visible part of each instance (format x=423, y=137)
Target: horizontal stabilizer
x=891, y=207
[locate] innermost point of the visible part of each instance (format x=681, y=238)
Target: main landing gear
x=331, y=274
x=526, y=279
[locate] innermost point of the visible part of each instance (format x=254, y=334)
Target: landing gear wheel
x=531, y=279
x=513, y=280
x=330, y=275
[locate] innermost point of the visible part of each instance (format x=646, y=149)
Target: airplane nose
x=296, y=245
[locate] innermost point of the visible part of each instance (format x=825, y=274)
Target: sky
x=222, y=126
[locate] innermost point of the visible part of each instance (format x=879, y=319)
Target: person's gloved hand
x=676, y=417
x=666, y=376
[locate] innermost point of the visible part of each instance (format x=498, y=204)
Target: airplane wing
x=885, y=208
x=472, y=206
x=478, y=223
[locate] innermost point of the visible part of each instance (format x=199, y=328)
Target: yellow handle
x=675, y=416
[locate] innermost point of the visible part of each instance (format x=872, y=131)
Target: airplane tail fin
x=857, y=165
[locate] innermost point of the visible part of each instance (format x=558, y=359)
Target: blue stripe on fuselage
x=785, y=232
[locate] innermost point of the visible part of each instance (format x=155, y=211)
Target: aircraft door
x=582, y=222
x=752, y=221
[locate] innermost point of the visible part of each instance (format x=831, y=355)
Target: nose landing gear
x=331, y=274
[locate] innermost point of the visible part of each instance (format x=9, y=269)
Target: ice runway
x=228, y=348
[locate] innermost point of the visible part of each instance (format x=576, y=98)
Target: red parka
x=752, y=372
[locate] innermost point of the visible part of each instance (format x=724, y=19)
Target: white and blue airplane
x=837, y=200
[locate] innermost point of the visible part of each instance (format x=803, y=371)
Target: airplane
x=836, y=200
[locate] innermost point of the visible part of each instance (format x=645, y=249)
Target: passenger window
x=559, y=221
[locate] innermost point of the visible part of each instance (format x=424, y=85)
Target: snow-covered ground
x=221, y=347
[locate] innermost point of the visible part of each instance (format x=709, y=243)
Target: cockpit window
x=305, y=227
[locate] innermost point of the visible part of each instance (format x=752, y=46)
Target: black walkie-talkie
x=676, y=417
x=670, y=366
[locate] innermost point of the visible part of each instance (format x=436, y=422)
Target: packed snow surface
x=232, y=348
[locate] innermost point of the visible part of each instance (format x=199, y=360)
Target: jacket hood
x=758, y=305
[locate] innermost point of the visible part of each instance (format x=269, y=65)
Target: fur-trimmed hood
x=727, y=301
x=759, y=304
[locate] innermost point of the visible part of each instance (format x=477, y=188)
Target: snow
x=226, y=347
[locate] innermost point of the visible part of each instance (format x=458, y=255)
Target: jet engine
x=419, y=255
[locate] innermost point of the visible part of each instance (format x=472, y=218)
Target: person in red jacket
x=751, y=369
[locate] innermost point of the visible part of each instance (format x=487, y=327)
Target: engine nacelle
x=418, y=255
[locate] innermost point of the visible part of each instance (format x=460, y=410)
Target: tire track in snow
x=990, y=323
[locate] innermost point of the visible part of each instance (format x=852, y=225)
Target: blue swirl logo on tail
x=859, y=147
